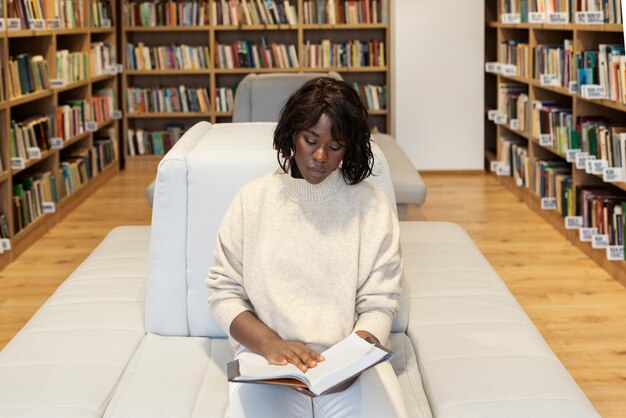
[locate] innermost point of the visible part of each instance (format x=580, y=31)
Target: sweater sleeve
x=227, y=296
x=377, y=298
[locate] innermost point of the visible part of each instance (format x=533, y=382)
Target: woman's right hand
x=281, y=352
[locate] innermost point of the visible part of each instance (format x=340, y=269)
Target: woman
x=308, y=254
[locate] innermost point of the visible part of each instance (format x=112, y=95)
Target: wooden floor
x=579, y=309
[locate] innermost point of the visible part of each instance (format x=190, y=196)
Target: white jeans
x=375, y=394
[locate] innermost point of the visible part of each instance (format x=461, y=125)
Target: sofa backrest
x=191, y=196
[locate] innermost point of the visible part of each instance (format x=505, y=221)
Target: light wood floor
x=579, y=309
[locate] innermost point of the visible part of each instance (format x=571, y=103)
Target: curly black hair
x=342, y=105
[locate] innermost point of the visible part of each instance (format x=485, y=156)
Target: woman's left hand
x=365, y=335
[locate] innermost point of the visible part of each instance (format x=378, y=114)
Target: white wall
x=437, y=57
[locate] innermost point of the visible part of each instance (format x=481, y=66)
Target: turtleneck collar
x=305, y=192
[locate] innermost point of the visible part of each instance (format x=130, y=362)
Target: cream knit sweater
x=313, y=262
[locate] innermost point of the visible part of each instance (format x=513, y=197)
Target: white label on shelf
x=573, y=222
x=6, y=244
x=111, y=70
x=503, y=169
x=545, y=140
x=56, y=142
x=581, y=17
x=589, y=164
x=599, y=166
x=548, y=203
x=91, y=126
x=500, y=119
x=613, y=174
x=54, y=23
x=585, y=234
x=3, y=24
x=14, y=23
x=511, y=18
x=494, y=166
x=57, y=83
x=615, y=253
x=558, y=17
x=536, y=17
x=514, y=124
x=38, y=24
x=595, y=17
x=550, y=80
x=106, y=23
x=34, y=153
x=48, y=207
x=116, y=114
x=17, y=163
x=599, y=241
x=592, y=91
x=120, y=68
x=519, y=181
x=491, y=114
x=508, y=69
x=492, y=67
x=581, y=160
x=1, y=250
x=570, y=155
x=573, y=87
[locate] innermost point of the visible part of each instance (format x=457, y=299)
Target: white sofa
x=129, y=333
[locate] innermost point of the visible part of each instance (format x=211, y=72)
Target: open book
x=343, y=362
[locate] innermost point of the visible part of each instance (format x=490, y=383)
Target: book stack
x=603, y=209
x=247, y=54
x=602, y=140
x=513, y=102
x=343, y=11
x=549, y=118
x=27, y=11
x=27, y=74
x=101, y=15
x=610, y=9
x=103, y=104
x=224, y=98
x=166, y=13
x=70, y=119
x=76, y=171
x=71, y=13
x=104, y=151
x=253, y=12
x=29, y=195
x=526, y=7
x=33, y=132
x=508, y=150
x=556, y=61
x=373, y=96
x=167, y=100
x=72, y=66
x=548, y=178
x=174, y=57
x=102, y=58
x=344, y=54
x=142, y=142
x=516, y=53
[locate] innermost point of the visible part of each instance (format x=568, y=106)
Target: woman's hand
x=282, y=352
x=365, y=335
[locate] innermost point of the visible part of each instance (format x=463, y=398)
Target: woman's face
x=317, y=153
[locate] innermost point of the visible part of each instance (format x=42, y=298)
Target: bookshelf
x=215, y=28
x=535, y=122
x=64, y=115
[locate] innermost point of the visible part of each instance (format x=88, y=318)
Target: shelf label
x=545, y=140
x=615, y=253
x=573, y=87
x=18, y=163
x=6, y=244
x=581, y=160
x=536, y=17
x=120, y=68
x=558, y=17
x=34, y=153
x=592, y=91
x=599, y=241
x=491, y=114
x=581, y=17
x=511, y=18
x=613, y=174
x=599, y=166
x=519, y=181
x=508, y=69
x=585, y=234
x=106, y=23
x=589, y=167
x=573, y=222
x=503, y=169
x=111, y=70
x=91, y=126
x=595, y=17
x=548, y=203
x=514, y=124
x=550, y=80
x=116, y=114
x=57, y=83
x=500, y=119
x=54, y=23
x=494, y=166
x=48, y=207
x=56, y=142
x=3, y=25
x=492, y=67
x=38, y=24
x=570, y=155
x=14, y=23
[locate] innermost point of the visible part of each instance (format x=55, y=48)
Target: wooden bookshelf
x=210, y=34
x=47, y=42
x=584, y=37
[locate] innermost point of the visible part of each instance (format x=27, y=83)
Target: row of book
x=102, y=58
x=253, y=12
x=29, y=196
x=166, y=13
x=72, y=66
x=27, y=74
x=101, y=15
x=26, y=11
x=344, y=11
x=374, y=97
x=104, y=151
x=33, y=132
x=247, y=54
x=174, y=57
x=167, y=100
x=145, y=142
x=538, y=11
x=4, y=227
x=345, y=54
x=224, y=98
x=71, y=13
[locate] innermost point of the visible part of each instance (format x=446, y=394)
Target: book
x=343, y=363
